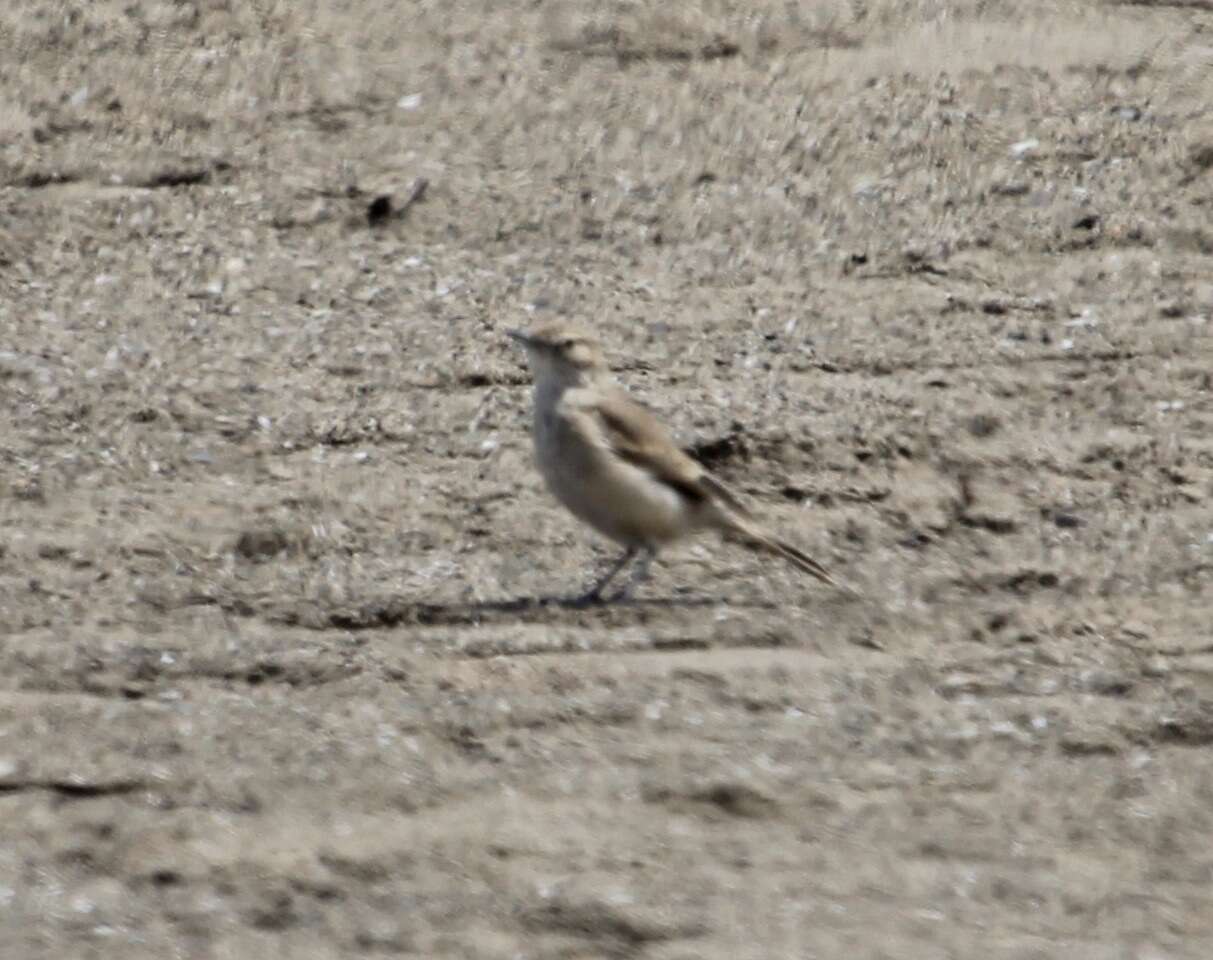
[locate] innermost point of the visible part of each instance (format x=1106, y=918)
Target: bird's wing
x=636, y=436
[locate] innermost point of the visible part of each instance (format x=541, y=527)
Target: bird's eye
x=567, y=343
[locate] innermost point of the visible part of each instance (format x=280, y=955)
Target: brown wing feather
x=639, y=438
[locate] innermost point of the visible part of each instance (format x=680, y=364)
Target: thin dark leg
x=594, y=594
x=640, y=574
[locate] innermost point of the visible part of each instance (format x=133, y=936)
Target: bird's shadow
x=397, y=610
x=521, y=604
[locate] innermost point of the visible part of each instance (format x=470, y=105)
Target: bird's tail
x=761, y=540
x=800, y=560
x=730, y=514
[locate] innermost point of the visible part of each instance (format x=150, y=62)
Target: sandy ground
x=928, y=283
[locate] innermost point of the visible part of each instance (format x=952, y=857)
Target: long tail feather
x=800, y=560
x=760, y=539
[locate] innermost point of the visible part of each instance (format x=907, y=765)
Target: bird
x=616, y=467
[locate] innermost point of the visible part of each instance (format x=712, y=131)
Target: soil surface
x=284, y=669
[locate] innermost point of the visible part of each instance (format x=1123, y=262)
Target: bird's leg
x=594, y=594
x=640, y=574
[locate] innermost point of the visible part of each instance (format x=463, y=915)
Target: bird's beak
x=520, y=335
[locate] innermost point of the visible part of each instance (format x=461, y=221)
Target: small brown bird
x=611, y=463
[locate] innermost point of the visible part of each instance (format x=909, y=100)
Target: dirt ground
x=928, y=282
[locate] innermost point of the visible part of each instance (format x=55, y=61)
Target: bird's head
x=561, y=350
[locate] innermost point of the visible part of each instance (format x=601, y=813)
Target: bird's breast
x=619, y=499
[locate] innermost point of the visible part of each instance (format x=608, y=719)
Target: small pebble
x=1024, y=148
